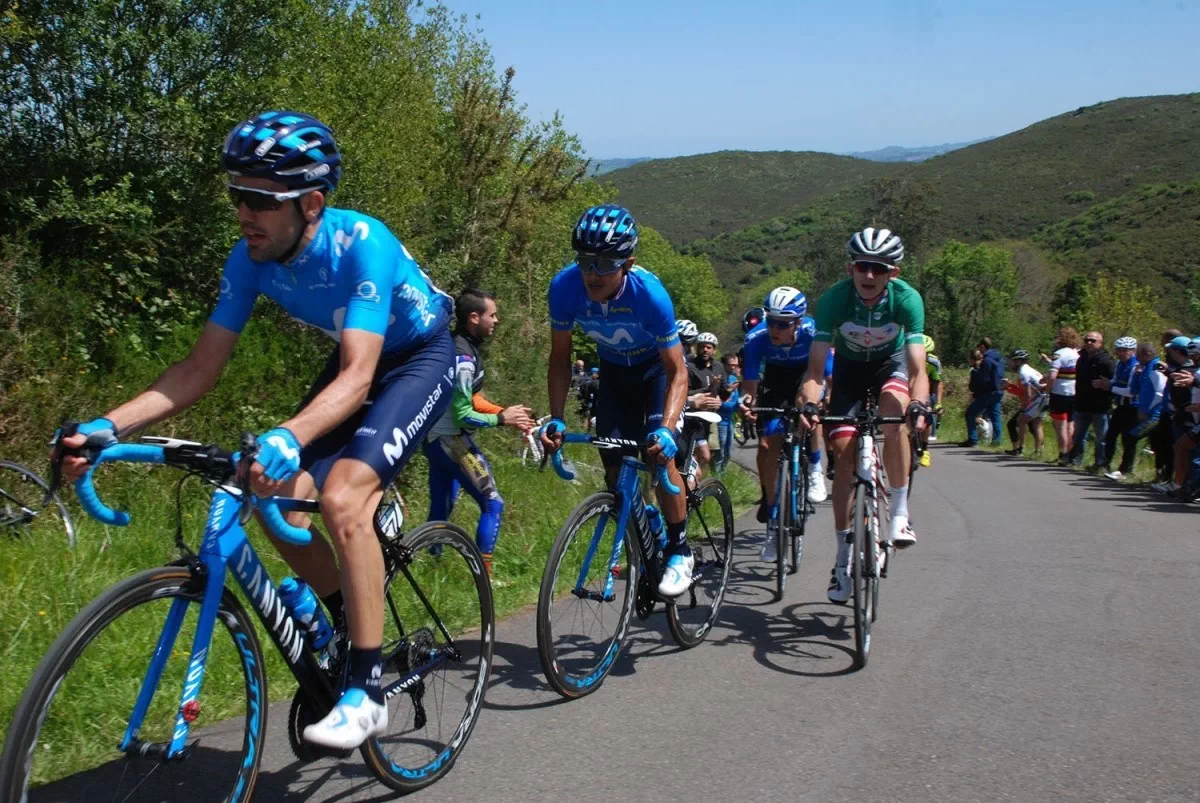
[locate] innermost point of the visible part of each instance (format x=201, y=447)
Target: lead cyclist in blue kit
x=644, y=381
x=386, y=383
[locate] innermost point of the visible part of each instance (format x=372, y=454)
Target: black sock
x=337, y=609
x=676, y=538
x=365, y=671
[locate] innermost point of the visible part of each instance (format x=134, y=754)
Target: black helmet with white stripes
x=875, y=245
x=1020, y=355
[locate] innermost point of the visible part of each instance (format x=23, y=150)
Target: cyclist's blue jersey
x=759, y=351
x=354, y=274
x=629, y=329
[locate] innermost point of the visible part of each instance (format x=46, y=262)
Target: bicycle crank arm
x=594, y=596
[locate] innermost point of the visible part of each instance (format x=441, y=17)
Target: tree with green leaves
x=968, y=292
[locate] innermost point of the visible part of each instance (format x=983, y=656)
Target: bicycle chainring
x=300, y=716
x=645, y=601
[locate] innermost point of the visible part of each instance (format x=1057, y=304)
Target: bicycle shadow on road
x=806, y=639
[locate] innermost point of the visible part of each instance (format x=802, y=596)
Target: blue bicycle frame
x=629, y=495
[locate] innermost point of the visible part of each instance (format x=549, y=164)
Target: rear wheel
x=798, y=527
x=64, y=737
x=710, y=532
x=586, y=598
x=438, y=635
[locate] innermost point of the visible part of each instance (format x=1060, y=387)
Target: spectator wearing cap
x=1180, y=383
x=1149, y=386
x=988, y=390
x=1124, y=415
x=1162, y=439
x=1092, y=402
x=1027, y=388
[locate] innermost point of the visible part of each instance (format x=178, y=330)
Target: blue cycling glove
x=278, y=454
x=555, y=426
x=666, y=439
x=100, y=432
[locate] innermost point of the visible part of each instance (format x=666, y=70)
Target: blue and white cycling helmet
x=607, y=231
x=1194, y=347
x=688, y=331
x=293, y=148
x=786, y=302
x=1125, y=343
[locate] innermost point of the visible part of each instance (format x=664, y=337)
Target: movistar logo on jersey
x=615, y=339
x=343, y=240
x=367, y=292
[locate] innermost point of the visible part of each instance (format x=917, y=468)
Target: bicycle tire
x=798, y=529
x=862, y=561
x=412, y=643
x=783, y=527
x=558, y=666
x=27, y=475
x=33, y=710
x=713, y=560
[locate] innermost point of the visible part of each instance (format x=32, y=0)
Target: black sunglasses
x=257, y=200
x=602, y=266
x=872, y=267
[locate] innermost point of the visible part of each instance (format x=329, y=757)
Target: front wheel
x=783, y=526
x=586, y=598
x=438, y=634
x=65, y=732
x=710, y=532
x=22, y=491
x=863, y=578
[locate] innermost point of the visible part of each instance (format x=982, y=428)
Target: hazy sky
x=668, y=77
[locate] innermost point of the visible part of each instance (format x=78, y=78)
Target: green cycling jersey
x=866, y=334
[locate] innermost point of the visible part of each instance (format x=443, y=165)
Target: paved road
x=1040, y=642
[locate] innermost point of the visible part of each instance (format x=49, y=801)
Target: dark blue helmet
x=292, y=148
x=605, y=231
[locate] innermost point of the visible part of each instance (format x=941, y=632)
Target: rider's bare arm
x=814, y=377
x=918, y=382
x=558, y=373
x=359, y=355
x=677, y=384
x=181, y=385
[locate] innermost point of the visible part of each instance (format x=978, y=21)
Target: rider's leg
x=893, y=400
x=767, y=459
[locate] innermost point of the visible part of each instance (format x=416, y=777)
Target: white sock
x=899, y=501
x=845, y=540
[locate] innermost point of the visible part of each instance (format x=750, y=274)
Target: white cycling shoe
x=816, y=485
x=677, y=577
x=839, y=585
x=352, y=721
x=902, y=534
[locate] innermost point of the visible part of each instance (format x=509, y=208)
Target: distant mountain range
x=602, y=166
x=896, y=153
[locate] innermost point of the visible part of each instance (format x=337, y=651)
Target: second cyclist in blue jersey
x=387, y=381
x=643, y=387
x=776, y=353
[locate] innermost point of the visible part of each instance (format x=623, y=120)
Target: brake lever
x=242, y=473
x=60, y=451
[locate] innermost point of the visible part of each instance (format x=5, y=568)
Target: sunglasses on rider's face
x=599, y=265
x=257, y=200
x=876, y=268
x=780, y=323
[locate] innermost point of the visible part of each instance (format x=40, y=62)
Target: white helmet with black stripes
x=707, y=337
x=875, y=245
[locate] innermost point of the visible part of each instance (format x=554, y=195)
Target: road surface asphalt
x=1039, y=642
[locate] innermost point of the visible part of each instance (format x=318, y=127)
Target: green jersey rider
x=875, y=322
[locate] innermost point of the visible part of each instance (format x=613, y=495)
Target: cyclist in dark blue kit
x=629, y=314
x=388, y=380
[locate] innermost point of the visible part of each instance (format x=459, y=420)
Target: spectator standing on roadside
x=988, y=390
x=1149, y=386
x=1028, y=388
x=1162, y=440
x=1123, y=387
x=1092, y=402
x=1180, y=382
x=730, y=398
x=1060, y=381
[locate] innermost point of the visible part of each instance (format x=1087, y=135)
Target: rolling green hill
x=698, y=196
x=1078, y=172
